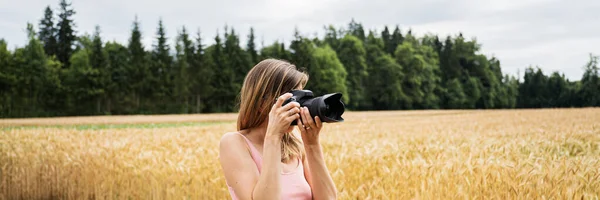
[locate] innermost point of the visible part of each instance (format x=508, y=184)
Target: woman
x=264, y=159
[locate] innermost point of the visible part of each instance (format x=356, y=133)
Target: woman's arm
x=269, y=183
x=320, y=180
x=241, y=172
x=316, y=172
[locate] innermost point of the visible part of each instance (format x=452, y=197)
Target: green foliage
x=184, y=58
x=47, y=32
x=327, y=74
x=8, y=79
x=302, y=49
x=590, y=83
x=387, y=38
x=332, y=37
x=353, y=56
x=137, y=68
x=472, y=90
x=455, y=97
x=66, y=35
x=251, y=48
x=59, y=73
x=83, y=84
x=222, y=100
x=420, y=68
x=276, y=50
x=118, y=90
x=159, y=69
x=99, y=61
x=532, y=92
x=384, y=83
x=356, y=29
x=238, y=61
x=7, y=76
x=395, y=40
x=201, y=78
x=36, y=77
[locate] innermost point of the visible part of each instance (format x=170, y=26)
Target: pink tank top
x=293, y=184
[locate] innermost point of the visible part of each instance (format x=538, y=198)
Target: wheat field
x=453, y=154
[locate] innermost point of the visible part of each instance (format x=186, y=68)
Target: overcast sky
x=554, y=35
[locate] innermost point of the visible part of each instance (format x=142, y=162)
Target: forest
x=62, y=73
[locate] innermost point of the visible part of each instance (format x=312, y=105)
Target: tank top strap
x=254, y=152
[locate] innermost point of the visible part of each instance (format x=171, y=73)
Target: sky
x=554, y=35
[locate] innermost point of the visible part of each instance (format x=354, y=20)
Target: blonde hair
x=266, y=81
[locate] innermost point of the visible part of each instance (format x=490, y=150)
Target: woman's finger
x=304, y=116
x=293, y=111
x=293, y=117
x=281, y=99
x=309, y=121
x=300, y=125
x=289, y=106
x=318, y=121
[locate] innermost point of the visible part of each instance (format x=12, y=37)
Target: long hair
x=265, y=82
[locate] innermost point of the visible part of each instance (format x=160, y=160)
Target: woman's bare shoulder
x=231, y=138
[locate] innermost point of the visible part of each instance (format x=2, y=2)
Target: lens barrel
x=328, y=107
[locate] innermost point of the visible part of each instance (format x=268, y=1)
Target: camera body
x=328, y=107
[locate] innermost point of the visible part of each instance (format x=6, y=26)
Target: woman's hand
x=280, y=118
x=309, y=128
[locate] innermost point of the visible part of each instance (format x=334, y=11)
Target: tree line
x=60, y=73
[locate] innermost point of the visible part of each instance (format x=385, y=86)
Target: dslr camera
x=328, y=107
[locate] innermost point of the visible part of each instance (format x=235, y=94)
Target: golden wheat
x=457, y=154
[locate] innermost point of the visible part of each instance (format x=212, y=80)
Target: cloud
x=552, y=34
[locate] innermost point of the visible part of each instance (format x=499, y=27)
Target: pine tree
x=118, y=88
x=135, y=43
x=181, y=72
x=98, y=61
x=356, y=29
x=7, y=78
x=223, y=77
x=161, y=75
x=590, y=83
x=238, y=62
x=331, y=37
x=396, y=39
x=387, y=39
x=47, y=32
x=199, y=48
x=251, y=48
x=8, y=81
x=66, y=35
x=557, y=88
x=97, y=56
x=137, y=66
x=187, y=45
x=203, y=75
